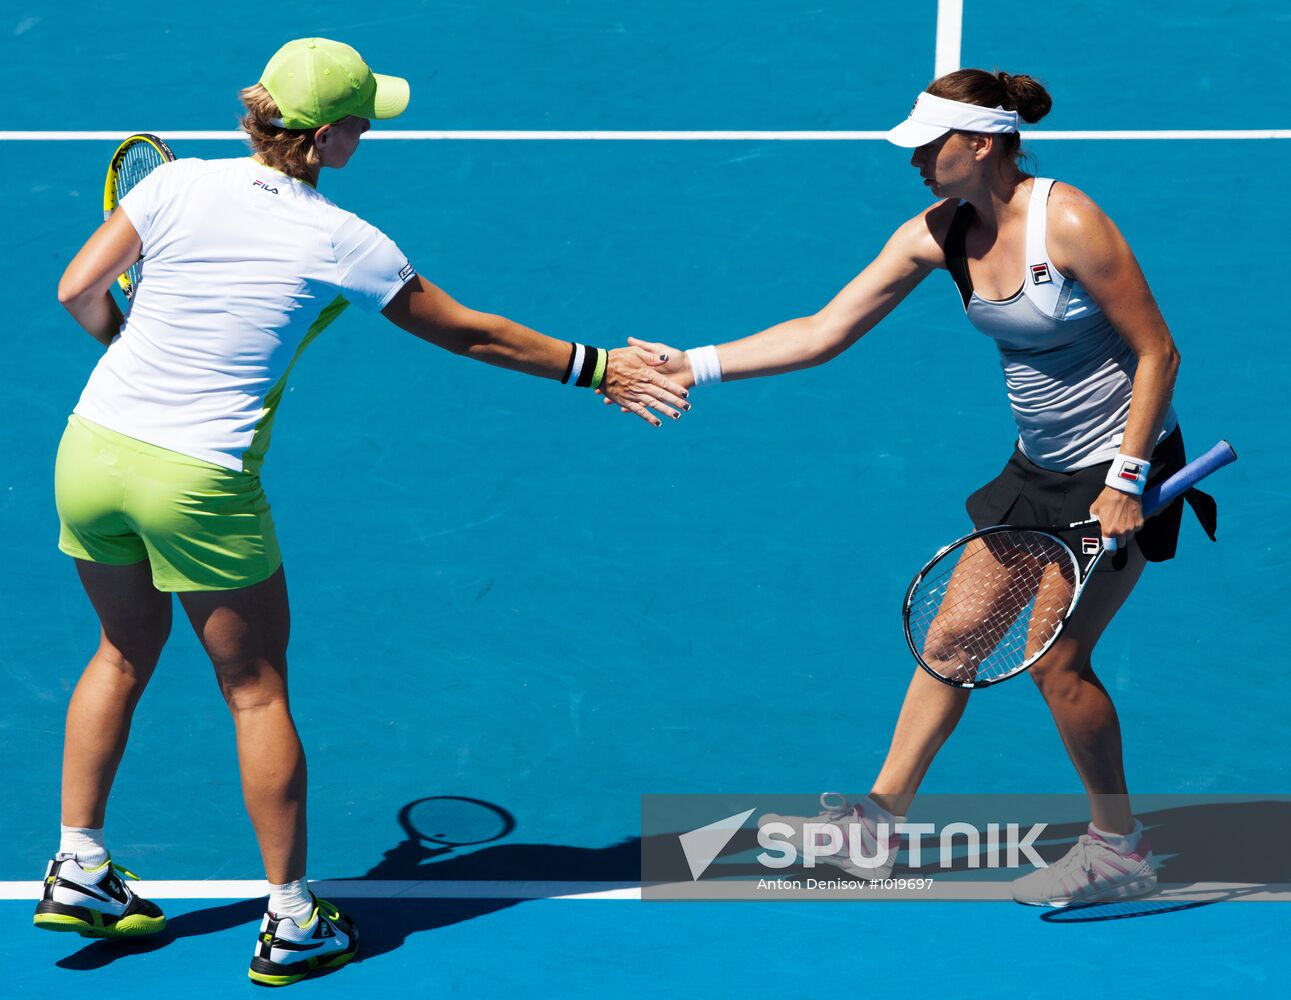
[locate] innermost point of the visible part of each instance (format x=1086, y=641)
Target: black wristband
x=591, y=361
x=569, y=367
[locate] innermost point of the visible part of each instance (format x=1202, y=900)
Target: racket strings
x=986, y=609
x=138, y=160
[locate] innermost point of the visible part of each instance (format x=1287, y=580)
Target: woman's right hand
x=677, y=368
x=638, y=382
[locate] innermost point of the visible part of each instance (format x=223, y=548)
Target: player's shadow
x=544, y=870
x=386, y=922
x=1241, y=843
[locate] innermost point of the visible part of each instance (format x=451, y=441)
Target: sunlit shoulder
x=1080, y=234
x=923, y=237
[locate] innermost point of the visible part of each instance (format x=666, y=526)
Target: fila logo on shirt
x=1090, y=546
x=264, y=187
x=405, y=272
x=1040, y=274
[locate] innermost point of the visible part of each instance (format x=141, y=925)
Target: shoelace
x=836, y=809
x=116, y=869
x=835, y=806
x=326, y=909
x=1081, y=856
x=123, y=871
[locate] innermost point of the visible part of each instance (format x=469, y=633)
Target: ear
x=982, y=144
x=321, y=134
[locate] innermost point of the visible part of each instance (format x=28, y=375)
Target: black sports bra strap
x=955, y=257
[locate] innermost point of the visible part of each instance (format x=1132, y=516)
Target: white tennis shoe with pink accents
x=1091, y=872
x=845, y=835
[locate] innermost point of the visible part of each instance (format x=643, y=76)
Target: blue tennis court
x=504, y=591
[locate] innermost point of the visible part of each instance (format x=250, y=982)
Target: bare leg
x=1080, y=704
x=245, y=633
x=929, y=714
x=135, y=621
x=980, y=589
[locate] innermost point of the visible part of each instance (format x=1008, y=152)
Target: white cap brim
x=932, y=117
x=911, y=134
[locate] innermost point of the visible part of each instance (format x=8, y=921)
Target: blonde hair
x=289, y=150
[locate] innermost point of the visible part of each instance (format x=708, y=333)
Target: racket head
x=133, y=160
x=990, y=604
x=455, y=821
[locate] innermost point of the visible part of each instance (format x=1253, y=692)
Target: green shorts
x=121, y=501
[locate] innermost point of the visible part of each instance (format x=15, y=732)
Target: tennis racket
x=132, y=162
x=989, y=605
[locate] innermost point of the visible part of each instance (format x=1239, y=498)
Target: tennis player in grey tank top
x=1070, y=375
x=1090, y=368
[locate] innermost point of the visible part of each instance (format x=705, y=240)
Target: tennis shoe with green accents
x=95, y=903
x=287, y=952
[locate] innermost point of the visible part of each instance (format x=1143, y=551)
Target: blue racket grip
x=1187, y=477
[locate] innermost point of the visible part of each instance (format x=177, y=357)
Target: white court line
x=376, y=889
x=361, y=889
x=950, y=24
x=653, y=136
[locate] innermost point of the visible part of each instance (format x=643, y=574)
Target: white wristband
x=1129, y=474
x=704, y=364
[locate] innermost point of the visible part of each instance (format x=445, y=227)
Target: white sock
x=85, y=844
x=1122, y=843
x=291, y=899
x=876, y=812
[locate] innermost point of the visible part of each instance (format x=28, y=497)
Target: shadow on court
x=99, y=954
x=424, y=855
x=1238, y=843
x=1242, y=843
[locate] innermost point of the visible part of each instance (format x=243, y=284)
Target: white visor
x=933, y=117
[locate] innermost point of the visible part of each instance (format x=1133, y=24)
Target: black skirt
x=1025, y=494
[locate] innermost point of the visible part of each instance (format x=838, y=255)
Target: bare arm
x=436, y=317
x=910, y=255
x=1087, y=247
x=84, y=288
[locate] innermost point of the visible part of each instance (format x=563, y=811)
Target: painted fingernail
x=663, y=357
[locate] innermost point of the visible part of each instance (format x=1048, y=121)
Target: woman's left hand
x=1119, y=515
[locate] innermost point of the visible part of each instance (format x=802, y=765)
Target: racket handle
x=1187, y=477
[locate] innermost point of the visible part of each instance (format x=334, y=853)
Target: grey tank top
x=1069, y=373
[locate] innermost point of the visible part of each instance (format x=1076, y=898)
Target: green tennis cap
x=316, y=81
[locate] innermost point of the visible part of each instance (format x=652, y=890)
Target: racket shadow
x=1169, y=900
x=536, y=871
x=426, y=855
x=1127, y=909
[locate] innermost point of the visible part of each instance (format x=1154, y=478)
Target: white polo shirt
x=243, y=267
